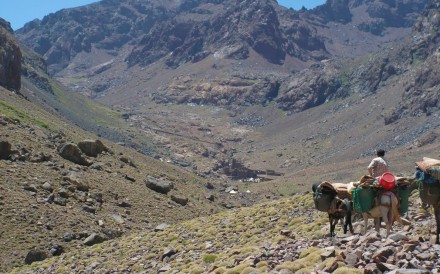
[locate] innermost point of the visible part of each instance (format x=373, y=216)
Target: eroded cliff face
x=10, y=58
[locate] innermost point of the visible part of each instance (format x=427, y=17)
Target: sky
x=19, y=12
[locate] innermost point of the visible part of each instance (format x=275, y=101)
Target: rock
x=167, y=253
x=40, y=157
x=56, y=250
x=98, y=166
x=89, y=209
x=60, y=201
x=231, y=188
x=181, y=200
x=129, y=178
x=71, y=152
x=332, y=267
x=64, y=193
x=384, y=267
x=161, y=227
x=384, y=252
x=94, y=239
x=158, y=185
x=92, y=147
x=351, y=259
x=47, y=186
x=68, y=236
x=127, y=160
x=29, y=187
x=118, y=218
x=164, y=268
x=35, y=255
x=124, y=204
x=76, y=179
x=328, y=254
x=398, y=237
x=371, y=268
x=408, y=271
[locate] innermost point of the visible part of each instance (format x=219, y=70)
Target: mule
x=430, y=195
x=341, y=211
x=387, y=209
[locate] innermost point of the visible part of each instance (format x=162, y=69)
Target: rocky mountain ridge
x=206, y=40
x=10, y=58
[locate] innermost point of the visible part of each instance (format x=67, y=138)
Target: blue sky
x=19, y=12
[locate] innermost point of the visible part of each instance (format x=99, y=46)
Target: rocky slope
x=58, y=188
x=284, y=236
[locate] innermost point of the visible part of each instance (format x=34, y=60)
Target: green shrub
x=209, y=258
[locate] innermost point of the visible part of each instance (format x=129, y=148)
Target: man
x=378, y=165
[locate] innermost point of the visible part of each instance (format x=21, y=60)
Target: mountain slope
x=244, y=48
x=284, y=236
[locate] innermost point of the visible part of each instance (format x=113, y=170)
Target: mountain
x=281, y=79
x=245, y=48
x=208, y=106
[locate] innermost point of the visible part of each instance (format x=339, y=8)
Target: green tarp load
x=403, y=193
x=364, y=194
x=363, y=198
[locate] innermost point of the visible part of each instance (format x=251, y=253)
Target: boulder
x=56, y=250
x=71, y=152
x=35, y=255
x=40, y=157
x=76, y=179
x=161, y=227
x=5, y=150
x=92, y=147
x=181, y=200
x=371, y=268
x=159, y=185
x=94, y=239
x=210, y=197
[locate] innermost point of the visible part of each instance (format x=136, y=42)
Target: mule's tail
x=395, y=208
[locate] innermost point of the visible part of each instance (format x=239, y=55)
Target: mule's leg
x=332, y=226
x=437, y=221
x=348, y=222
x=345, y=224
x=377, y=224
x=365, y=216
x=387, y=217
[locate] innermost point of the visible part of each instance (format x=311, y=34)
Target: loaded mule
x=428, y=177
x=378, y=201
x=328, y=199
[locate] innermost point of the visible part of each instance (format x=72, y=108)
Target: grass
x=16, y=114
x=209, y=258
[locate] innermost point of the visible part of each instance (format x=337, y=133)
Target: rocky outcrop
x=72, y=153
x=10, y=58
x=311, y=87
x=92, y=147
x=240, y=91
x=334, y=10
